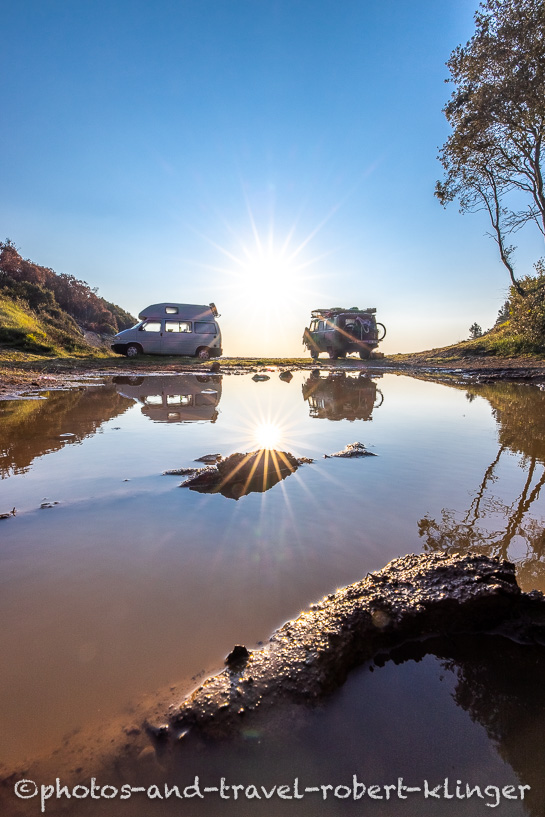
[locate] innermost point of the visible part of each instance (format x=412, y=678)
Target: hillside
x=46, y=313
x=501, y=343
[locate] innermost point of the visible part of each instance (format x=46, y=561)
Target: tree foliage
x=493, y=158
x=528, y=313
x=475, y=331
x=48, y=292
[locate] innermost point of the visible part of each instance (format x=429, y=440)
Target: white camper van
x=172, y=329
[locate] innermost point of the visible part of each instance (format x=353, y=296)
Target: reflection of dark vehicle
x=338, y=397
x=340, y=331
x=186, y=398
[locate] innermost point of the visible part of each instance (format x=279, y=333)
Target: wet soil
x=411, y=598
x=392, y=614
x=28, y=378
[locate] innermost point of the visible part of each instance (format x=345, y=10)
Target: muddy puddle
x=117, y=585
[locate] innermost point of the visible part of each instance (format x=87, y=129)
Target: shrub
x=26, y=341
x=528, y=310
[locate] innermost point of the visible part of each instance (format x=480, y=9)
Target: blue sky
x=273, y=156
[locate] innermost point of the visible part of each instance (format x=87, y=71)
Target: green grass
x=498, y=342
x=28, y=332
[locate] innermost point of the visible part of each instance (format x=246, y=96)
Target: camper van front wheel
x=132, y=350
x=203, y=353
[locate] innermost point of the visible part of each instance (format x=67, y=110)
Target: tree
x=497, y=115
x=475, y=331
x=503, y=313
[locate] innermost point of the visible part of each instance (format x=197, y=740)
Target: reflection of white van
x=172, y=329
x=186, y=398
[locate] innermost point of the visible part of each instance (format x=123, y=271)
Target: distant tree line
x=54, y=294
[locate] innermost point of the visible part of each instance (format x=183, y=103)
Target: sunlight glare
x=267, y=435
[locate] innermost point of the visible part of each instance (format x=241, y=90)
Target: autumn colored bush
x=46, y=291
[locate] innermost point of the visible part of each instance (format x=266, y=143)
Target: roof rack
x=331, y=311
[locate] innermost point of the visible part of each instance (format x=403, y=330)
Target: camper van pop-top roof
x=191, y=312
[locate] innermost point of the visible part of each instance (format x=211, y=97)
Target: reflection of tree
x=500, y=686
x=490, y=525
x=31, y=428
x=338, y=397
x=499, y=683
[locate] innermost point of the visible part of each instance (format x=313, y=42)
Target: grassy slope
x=25, y=331
x=498, y=342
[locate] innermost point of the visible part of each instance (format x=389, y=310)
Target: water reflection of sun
x=267, y=429
x=267, y=435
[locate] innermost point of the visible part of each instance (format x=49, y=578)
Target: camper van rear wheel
x=365, y=354
x=314, y=354
x=132, y=350
x=203, y=353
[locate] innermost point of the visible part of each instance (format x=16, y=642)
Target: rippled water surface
x=116, y=582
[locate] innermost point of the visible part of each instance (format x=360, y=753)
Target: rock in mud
x=241, y=474
x=237, y=657
x=352, y=450
x=259, y=377
x=410, y=600
x=181, y=472
x=286, y=376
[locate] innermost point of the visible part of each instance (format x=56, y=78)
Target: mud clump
x=351, y=450
x=237, y=657
x=241, y=474
x=410, y=600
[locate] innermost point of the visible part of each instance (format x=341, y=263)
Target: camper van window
x=171, y=310
x=153, y=400
x=322, y=326
x=177, y=326
x=205, y=328
x=151, y=326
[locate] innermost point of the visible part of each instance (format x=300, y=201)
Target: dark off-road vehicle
x=339, y=331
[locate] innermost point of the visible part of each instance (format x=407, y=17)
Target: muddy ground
x=410, y=602
x=20, y=377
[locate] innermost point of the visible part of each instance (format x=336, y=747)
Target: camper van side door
x=149, y=337
x=178, y=338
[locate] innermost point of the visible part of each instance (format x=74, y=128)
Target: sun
x=267, y=435
x=266, y=280
x=270, y=278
